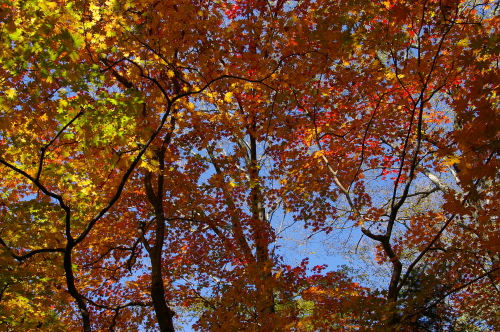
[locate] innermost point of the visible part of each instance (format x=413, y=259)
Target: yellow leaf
x=452, y=160
x=318, y=154
x=227, y=97
x=390, y=75
x=48, y=5
x=10, y=93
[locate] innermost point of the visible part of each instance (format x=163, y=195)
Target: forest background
x=157, y=157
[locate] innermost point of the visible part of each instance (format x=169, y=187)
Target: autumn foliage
x=154, y=153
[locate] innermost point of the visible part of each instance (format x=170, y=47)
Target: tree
x=149, y=149
x=406, y=120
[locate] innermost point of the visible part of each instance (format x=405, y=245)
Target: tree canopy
x=155, y=153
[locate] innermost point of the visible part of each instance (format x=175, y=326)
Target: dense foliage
x=153, y=154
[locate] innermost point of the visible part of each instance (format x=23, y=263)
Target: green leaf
x=16, y=35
